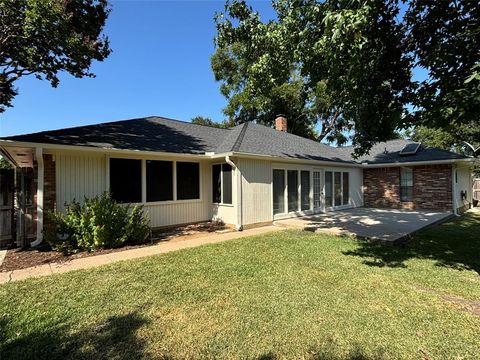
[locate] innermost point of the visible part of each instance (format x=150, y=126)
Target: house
x=244, y=176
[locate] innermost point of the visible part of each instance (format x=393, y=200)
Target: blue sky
x=160, y=65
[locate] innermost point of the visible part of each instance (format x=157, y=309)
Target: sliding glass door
x=292, y=181
x=337, y=188
x=317, y=191
x=291, y=191
x=278, y=191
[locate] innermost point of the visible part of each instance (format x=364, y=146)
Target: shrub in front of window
x=99, y=223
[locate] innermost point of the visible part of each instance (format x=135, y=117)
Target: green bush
x=99, y=223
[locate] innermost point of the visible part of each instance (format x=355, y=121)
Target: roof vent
x=410, y=149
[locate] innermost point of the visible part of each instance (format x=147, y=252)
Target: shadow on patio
x=454, y=244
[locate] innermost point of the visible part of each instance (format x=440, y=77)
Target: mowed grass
x=283, y=295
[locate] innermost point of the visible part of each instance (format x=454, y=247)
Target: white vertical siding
x=463, y=183
x=356, y=186
x=257, y=191
x=78, y=176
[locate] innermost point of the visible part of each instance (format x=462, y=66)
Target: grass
x=282, y=295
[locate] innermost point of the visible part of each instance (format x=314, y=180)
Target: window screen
x=126, y=180
x=305, y=189
x=278, y=191
x=346, y=189
x=227, y=183
x=406, y=184
x=159, y=180
x=188, y=180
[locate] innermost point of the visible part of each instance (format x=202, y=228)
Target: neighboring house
x=244, y=176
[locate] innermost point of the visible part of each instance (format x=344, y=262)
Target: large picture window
x=222, y=184
x=292, y=190
x=328, y=189
x=126, y=180
x=406, y=184
x=188, y=181
x=346, y=189
x=159, y=180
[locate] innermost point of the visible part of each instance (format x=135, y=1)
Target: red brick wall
x=50, y=196
x=432, y=187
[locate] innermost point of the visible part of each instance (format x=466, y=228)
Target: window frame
x=341, y=204
x=403, y=198
x=144, y=179
x=232, y=171
x=298, y=168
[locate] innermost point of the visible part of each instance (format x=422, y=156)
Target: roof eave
x=411, y=163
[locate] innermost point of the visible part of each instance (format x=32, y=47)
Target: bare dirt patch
x=24, y=258
x=471, y=306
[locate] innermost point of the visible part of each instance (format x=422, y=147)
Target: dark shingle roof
x=167, y=135
x=389, y=152
x=147, y=134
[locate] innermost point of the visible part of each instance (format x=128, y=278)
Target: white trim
x=415, y=163
x=40, y=195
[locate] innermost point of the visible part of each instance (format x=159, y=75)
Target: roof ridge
x=151, y=117
x=238, y=142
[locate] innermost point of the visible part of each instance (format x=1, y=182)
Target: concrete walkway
x=97, y=260
x=387, y=225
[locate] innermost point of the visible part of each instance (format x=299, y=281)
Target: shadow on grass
x=328, y=354
x=114, y=338
x=454, y=244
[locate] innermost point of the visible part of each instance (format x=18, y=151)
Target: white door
x=317, y=191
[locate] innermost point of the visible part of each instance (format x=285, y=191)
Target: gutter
x=239, y=214
x=413, y=163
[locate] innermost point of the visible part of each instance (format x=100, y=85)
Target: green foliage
x=45, y=37
x=4, y=164
x=99, y=223
x=444, y=37
x=337, y=64
x=200, y=120
x=345, y=66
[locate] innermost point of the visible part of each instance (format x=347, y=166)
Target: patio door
x=317, y=191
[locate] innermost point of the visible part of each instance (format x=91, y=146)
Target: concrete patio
x=388, y=225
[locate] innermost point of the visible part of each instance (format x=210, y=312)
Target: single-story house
x=245, y=176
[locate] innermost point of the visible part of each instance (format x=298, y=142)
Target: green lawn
x=283, y=295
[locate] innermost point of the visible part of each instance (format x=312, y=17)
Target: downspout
x=40, y=182
x=239, y=212
x=454, y=191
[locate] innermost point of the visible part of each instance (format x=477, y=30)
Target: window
x=292, y=181
x=159, y=180
x=278, y=191
x=227, y=183
x=317, y=189
x=222, y=184
x=126, y=180
x=346, y=189
x=406, y=184
x=328, y=189
x=217, y=183
x=305, y=189
x=338, y=188
x=188, y=180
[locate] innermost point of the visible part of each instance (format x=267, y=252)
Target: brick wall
x=432, y=187
x=50, y=196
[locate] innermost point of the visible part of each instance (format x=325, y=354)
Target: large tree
x=341, y=65
x=344, y=66
x=45, y=37
x=444, y=36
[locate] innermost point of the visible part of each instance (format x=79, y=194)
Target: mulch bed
x=23, y=258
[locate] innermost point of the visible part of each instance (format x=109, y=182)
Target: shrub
x=99, y=223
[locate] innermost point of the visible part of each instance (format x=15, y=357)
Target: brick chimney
x=281, y=123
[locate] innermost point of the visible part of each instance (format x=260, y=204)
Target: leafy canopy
x=344, y=67
x=44, y=37
x=201, y=120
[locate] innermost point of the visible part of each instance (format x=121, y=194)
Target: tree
x=341, y=65
x=444, y=36
x=201, y=120
x=44, y=37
